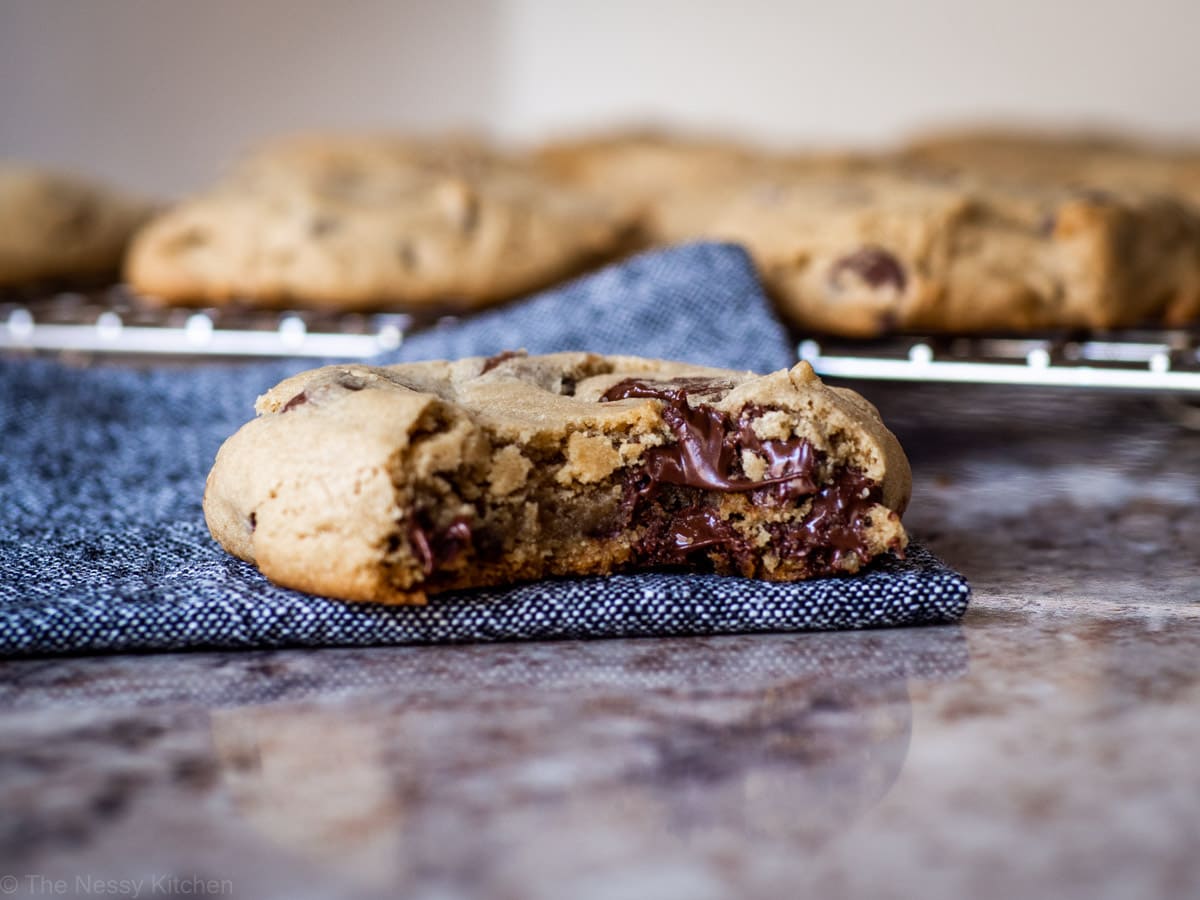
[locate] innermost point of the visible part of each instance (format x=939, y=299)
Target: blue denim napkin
x=103, y=545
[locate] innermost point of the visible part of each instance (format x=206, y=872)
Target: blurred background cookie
x=1103, y=160
x=59, y=227
x=885, y=249
x=357, y=222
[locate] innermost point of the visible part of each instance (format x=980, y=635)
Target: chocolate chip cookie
x=336, y=162
x=1100, y=164
x=1101, y=160
x=900, y=250
x=659, y=177
x=393, y=483
x=370, y=223
x=61, y=228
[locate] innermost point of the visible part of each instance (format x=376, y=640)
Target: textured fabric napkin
x=103, y=545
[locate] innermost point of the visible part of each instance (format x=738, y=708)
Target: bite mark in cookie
x=709, y=454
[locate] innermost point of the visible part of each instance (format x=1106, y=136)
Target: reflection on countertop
x=1043, y=747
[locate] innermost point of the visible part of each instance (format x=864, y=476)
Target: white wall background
x=157, y=93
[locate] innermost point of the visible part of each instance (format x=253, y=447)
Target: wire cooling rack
x=111, y=320
x=1146, y=360
x=114, y=321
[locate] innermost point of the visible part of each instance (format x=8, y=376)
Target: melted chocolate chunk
x=436, y=548
x=874, y=265
x=835, y=525
x=791, y=463
x=701, y=456
x=669, y=389
x=671, y=538
x=299, y=400
x=707, y=450
x=492, y=361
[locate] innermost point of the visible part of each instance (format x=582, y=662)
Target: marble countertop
x=1047, y=746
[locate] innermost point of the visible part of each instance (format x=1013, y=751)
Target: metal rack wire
x=1146, y=360
x=111, y=320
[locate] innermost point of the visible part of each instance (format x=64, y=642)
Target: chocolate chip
x=77, y=223
x=888, y=322
x=469, y=218
x=454, y=539
x=188, y=239
x=341, y=179
x=874, y=265
x=352, y=382
x=252, y=521
x=492, y=361
x=408, y=255
x=323, y=225
x=422, y=549
x=299, y=400
x=1098, y=196
x=434, y=548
